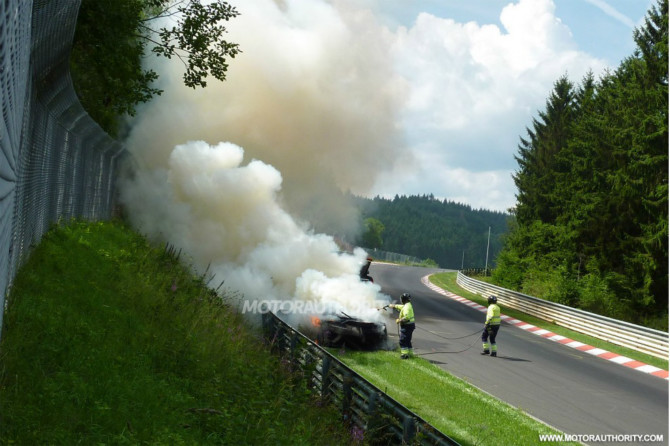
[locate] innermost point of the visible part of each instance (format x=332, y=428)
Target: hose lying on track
x=444, y=337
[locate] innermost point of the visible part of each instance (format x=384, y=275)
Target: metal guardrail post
x=292, y=343
x=372, y=402
x=408, y=429
x=325, y=376
x=346, y=392
x=267, y=323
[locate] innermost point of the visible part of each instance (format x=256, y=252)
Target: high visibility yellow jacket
x=493, y=315
x=406, y=312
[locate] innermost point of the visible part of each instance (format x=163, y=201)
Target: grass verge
x=460, y=410
x=108, y=340
x=447, y=281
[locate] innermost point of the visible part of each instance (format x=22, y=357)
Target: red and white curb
x=600, y=353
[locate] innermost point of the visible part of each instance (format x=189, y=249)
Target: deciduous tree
x=112, y=39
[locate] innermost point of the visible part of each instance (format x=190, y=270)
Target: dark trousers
x=490, y=333
x=406, y=331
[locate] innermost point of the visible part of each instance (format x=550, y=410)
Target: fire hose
x=443, y=337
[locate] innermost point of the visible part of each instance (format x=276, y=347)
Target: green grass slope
x=455, y=407
x=107, y=340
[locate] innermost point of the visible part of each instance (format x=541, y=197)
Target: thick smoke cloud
x=226, y=216
x=313, y=94
x=240, y=173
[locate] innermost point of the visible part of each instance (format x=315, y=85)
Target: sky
x=479, y=72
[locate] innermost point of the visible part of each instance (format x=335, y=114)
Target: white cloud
x=474, y=88
x=463, y=73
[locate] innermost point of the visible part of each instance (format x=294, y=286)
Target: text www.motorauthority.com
x=595, y=438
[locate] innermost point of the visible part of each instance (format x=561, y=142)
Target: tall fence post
x=292, y=344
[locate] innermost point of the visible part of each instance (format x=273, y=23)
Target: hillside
x=451, y=234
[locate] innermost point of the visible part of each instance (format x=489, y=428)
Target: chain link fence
x=56, y=163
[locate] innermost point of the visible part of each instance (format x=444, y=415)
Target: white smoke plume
x=314, y=94
x=326, y=123
x=226, y=216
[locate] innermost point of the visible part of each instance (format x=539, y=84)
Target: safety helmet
x=492, y=299
x=405, y=298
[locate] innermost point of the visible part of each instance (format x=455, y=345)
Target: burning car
x=342, y=330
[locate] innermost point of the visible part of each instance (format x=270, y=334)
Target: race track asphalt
x=570, y=390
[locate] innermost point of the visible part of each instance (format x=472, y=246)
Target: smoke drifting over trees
x=315, y=98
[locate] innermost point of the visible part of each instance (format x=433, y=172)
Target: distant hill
x=451, y=234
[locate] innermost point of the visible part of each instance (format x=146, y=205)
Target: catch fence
x=364, y=406
x=56, y=163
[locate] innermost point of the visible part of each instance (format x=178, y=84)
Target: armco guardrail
x=361, y=403
x=636, y=337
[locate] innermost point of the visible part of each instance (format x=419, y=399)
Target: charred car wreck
x=342, y=330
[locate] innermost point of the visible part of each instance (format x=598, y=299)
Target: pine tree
x=535, y=179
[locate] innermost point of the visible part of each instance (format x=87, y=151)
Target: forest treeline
x=591, y=221
x=449, y=233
